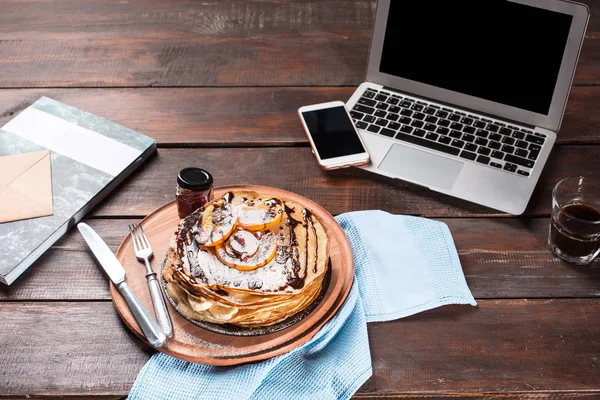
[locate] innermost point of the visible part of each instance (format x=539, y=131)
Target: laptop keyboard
x=463, y=135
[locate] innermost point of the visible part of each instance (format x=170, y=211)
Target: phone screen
x=332, y=132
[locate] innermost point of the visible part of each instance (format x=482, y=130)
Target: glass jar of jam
x=194, y=189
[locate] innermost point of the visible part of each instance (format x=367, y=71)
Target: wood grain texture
x=501, y=258
x=136, y=43
x=242, y=116
x=500, y=346
x=339, y=191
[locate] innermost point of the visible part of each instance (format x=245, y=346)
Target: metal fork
x=143, y=251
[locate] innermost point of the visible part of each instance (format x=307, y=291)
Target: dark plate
x=232, y=330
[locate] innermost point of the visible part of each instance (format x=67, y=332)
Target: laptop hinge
x=462, y=108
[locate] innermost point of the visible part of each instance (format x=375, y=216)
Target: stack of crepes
x=246, y=260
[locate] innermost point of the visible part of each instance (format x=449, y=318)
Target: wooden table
x=217, y=84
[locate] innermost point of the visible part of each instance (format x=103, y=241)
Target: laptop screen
x=500, y=51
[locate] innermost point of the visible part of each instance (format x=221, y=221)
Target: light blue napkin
x=403, y=265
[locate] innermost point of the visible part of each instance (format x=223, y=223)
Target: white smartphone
x=333, y=136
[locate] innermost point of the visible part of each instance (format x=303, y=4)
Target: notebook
x=89, y=157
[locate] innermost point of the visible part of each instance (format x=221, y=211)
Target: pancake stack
x=246, y=260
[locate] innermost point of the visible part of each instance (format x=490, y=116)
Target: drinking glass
x=575, y=226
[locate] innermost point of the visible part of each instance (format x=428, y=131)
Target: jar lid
x=194, y=179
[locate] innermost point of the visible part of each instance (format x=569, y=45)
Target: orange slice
x=217, y=222
x=267, y=248
x=259, y=214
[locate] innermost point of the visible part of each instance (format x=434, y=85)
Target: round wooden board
x=192, y=343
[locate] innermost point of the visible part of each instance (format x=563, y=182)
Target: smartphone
x=333, y=136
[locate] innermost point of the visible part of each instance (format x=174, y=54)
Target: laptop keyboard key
x=356, y=115
x=417, y=107
x=466, y=120
x=369, y=118
x=419, y=116
x=455, y=134
x=506, y=131
x=431, y=136
x=387, y=132
x=431, y=119
x=497, y=154
x=405, y=103
x=442, y=131
x=521, y=153
x=445, y=139
x=495, y=136
x=444, y=122
x=367, y=102
x=479, y=124
x=381, y=122
x=394, y=109
x=405, y=120
x=406, y=129
x=534, y=139
x=522, y=144
x=394, y=125
x=457, y=143
x=374, y=128
x=454, y=117
x=535, y=147
x=468, y=138
x=369, y=93
x=481, y=141
x=381, y=97
x=470, y=147
x=508, y=149
x=494, y=145
x=468, y=155
x=429, y=110
x=456, y=125
x=481, y=133
x=510, y=167
x=469, y=129
x=483, y=160
x=508, y=140
x=483, y=150
x=441, y=114
x=364, y=109
x=533, y=155
x=493, y=128
x=496, y=165
x=430, y=127
x=418, y=124
x=406, y=112
x=419, y=132
x=392, y=117
x=428, y=144
x=393, y=101
x=518, y=135
x=521, y=172
x=523, y=162
x=380, y=114
x=382, y=106
x=361, y=125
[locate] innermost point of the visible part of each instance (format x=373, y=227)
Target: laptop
x=466, y=97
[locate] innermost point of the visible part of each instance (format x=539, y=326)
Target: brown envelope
x=25, y=186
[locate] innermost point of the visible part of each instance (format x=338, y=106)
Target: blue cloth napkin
x=403, y=265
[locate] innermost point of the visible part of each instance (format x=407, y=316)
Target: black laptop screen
x=500, y=51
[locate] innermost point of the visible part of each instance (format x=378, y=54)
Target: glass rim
x=568, y=214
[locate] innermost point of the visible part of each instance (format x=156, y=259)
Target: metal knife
x=116, y=273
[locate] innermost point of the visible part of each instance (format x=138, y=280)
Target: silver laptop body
x=480, y=124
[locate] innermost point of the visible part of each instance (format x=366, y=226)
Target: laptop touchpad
x=421, y=167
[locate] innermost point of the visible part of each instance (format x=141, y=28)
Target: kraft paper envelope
x=25, y=186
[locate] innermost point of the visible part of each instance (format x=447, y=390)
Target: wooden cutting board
x=193, y=343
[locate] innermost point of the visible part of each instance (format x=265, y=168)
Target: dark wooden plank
x=338, y=191
x=241, y=116
x=512, y=347
x=233, y=43
x=501, y=258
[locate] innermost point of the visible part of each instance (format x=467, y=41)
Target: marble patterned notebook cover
x=89, y=157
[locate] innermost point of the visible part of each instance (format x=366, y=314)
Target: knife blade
x=116, y=273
